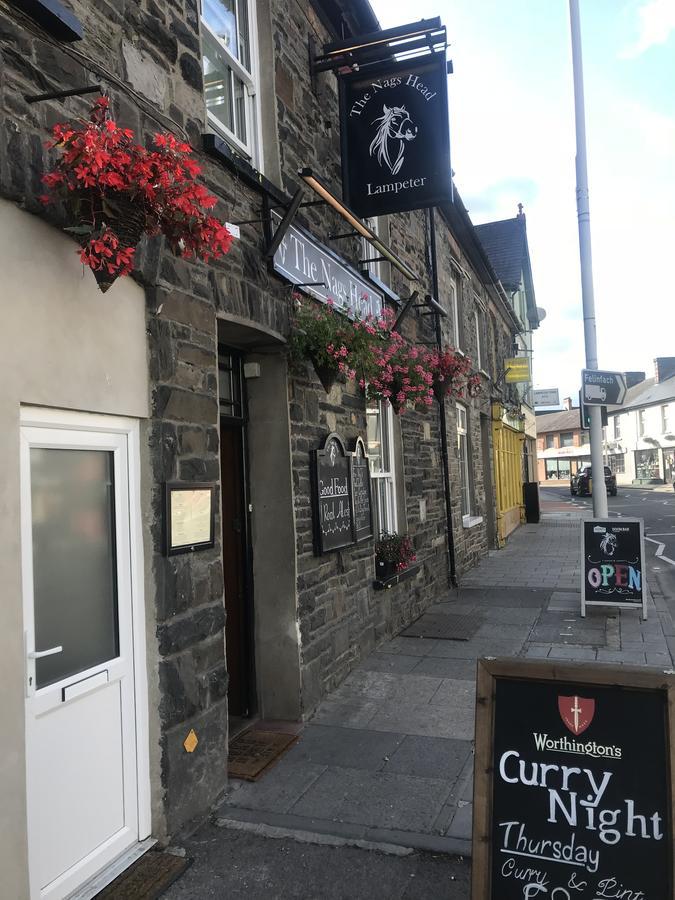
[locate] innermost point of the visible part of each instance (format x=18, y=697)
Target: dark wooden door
x=239, y=615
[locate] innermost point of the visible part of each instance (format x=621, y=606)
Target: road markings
x=659, y=551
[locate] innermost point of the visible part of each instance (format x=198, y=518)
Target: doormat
x=147, y=878
x=445, y=627
x=253, y=752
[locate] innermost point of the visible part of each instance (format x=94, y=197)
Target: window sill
x=471, y=521
x=401, y=576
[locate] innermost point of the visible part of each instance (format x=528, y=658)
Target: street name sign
x=602, y=388
x=549, y=397
x=573, y=789
x=612, y=564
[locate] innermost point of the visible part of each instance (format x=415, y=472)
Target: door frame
x=67, y=420
x=228, y=419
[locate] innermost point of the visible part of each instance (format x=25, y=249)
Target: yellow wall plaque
x=191, y=741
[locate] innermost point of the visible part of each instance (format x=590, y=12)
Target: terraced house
x=189, y=524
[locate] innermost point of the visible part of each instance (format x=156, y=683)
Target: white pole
x=584, y=217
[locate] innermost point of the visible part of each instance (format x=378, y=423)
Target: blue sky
x=512, y=133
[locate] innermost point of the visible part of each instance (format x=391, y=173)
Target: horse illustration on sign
x=394, y=125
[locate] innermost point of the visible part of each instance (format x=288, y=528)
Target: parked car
x=580, y=483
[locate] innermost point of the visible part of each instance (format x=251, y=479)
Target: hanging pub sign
x=362, y=508
x=395, y=136
x=613, y=570
x=332, y=496
x=573, y=785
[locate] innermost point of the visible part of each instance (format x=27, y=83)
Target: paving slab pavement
x=387, y=758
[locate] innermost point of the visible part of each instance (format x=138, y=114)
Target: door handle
x=38, y=654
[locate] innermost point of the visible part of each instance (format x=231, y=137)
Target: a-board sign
x=361, y=496
x=612, y=564
x=573, y=794
x=333, y=524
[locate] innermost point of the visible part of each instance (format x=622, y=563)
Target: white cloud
x=657, y=22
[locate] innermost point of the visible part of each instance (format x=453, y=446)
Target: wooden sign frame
x=332, y=445
x=172, y=490
x=617, y=523
x=359, y=452
x=489, y=671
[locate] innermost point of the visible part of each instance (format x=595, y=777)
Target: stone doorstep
x=316, y=830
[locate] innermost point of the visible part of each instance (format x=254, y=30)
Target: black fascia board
x=386, y=35
x=357, y=15
x=219, y=149
x=54, y=17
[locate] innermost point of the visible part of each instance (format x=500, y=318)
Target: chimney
x=567, y=403
x=633, y=378
x=664, y=367
x=521, y=214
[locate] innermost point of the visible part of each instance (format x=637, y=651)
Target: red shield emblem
x=576, y=712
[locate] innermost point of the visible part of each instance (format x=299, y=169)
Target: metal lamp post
x=588, y=301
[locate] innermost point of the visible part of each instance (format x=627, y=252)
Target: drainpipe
x=452, y=574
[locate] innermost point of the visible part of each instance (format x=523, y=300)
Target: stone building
x=126, y=668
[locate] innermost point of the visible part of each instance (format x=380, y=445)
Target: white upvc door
x=79, y=586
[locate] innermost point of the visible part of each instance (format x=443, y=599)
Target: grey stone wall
x=147, y=55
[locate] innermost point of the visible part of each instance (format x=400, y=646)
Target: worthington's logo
x=583, y=748
x=576, y=712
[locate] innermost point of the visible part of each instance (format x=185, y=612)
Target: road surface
x=657, y=509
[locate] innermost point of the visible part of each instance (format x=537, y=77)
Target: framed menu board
x=573, y=781
x=361, y=494
x=332, y=496
x=189, y=517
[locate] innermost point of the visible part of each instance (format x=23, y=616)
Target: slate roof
x=563, y=420
x=505, y=244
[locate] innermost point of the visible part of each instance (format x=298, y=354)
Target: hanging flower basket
x=451, y=373
x=401, y=376
x=339, y=348
x=115, y=190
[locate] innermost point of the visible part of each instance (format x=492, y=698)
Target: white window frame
x=617, y=427
x=251, y=80
x=464, y=467
x=454, y=311
x=371, y=265
x=479, y=325
x=386, y=512
x=641, y=422
x=665, y=425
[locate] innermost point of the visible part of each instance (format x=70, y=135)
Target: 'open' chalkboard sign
x=333, y=522
x=573, y=794
x=613, y=571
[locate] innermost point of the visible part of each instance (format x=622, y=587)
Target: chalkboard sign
x=573, y=796
x=613, y=571
x=361, y=496
x=333, y=524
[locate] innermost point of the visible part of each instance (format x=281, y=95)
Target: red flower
x=99, y=163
